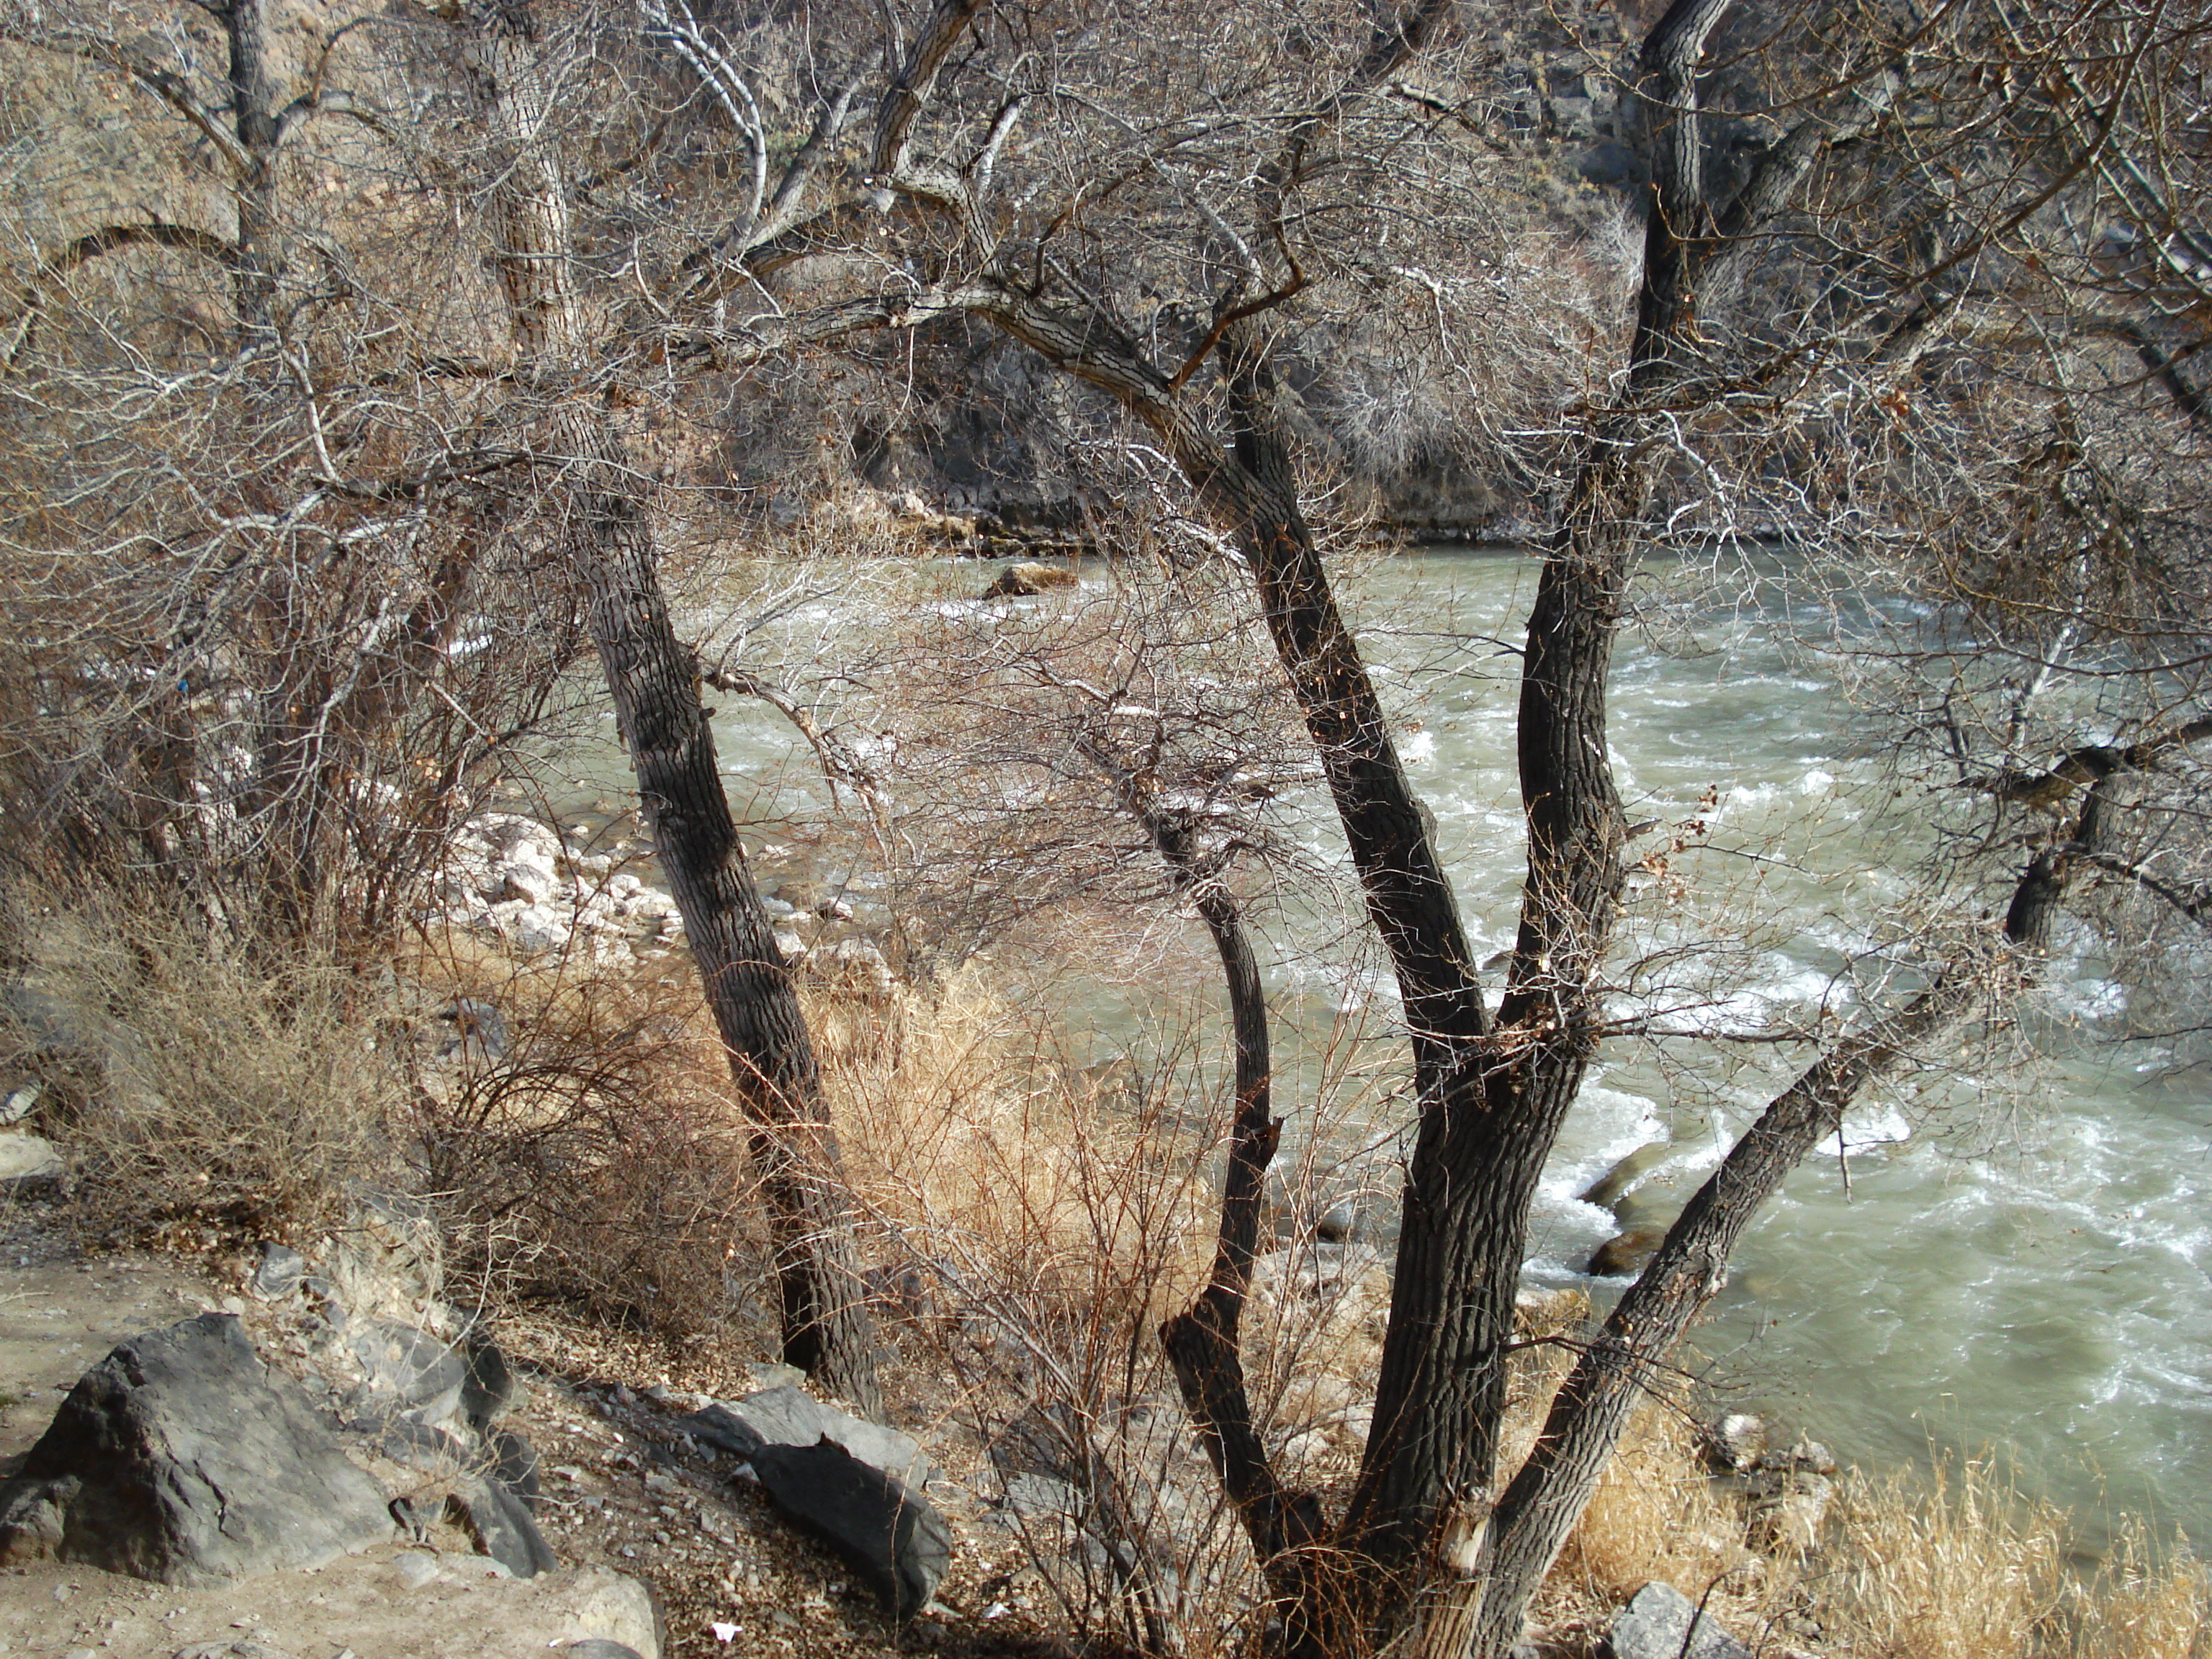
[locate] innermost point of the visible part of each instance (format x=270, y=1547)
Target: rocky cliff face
x=975, y=425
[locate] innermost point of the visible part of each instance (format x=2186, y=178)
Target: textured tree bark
x=1204, y=1343
x=253, y=108
x=654, y=682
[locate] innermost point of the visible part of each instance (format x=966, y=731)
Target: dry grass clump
x=204, y=1095
x=1040, y=1224
x=994, y=1162
x=2142, y=1607
x=1951, y=1564
x=600, y=1160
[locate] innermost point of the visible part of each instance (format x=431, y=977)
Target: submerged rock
x=1626, y=1253
x=1608, y=1188
x=1028, y=578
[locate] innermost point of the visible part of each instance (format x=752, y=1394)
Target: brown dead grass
x=1955, y=1565
x=989, y=1157
x=203, y=1095
x=601, y=1161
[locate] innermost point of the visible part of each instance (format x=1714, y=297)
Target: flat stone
x=27, y=1157
x=789, y=1417
x=406, y=1367
x=894, y=1538
x=1608, y=1188
x=500, y=1525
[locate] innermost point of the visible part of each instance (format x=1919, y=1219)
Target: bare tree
x=1421, y=1543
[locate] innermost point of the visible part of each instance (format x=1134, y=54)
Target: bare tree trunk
x=654, y=681
x=253, y=109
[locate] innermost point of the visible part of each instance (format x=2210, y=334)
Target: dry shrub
x=1041, y=1224
x=995, y=1161
x=1954, y=1565
x=204, y=1095
x=600, y=1160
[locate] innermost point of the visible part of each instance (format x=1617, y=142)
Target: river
x=2011, y=1259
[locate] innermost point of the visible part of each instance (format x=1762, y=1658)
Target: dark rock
x=180, y=1459
x=500, y=1525
x=1626, y=1254
x=515, y=1464
x=788, y=1416
x=1028, y=578
x=1660, y=1622
x=283, y=1271
x=420, y=1445
x=894, y=1538
x=488, y=1385
x=1613, y=166
x=592, y=1647
x=1608, y=1188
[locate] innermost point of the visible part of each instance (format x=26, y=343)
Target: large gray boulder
x=180, y=1458
x=1660, y=1622
x=894, y=1538
x=791, y=1417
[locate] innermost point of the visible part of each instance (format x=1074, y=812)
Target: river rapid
x=2008, y=1258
